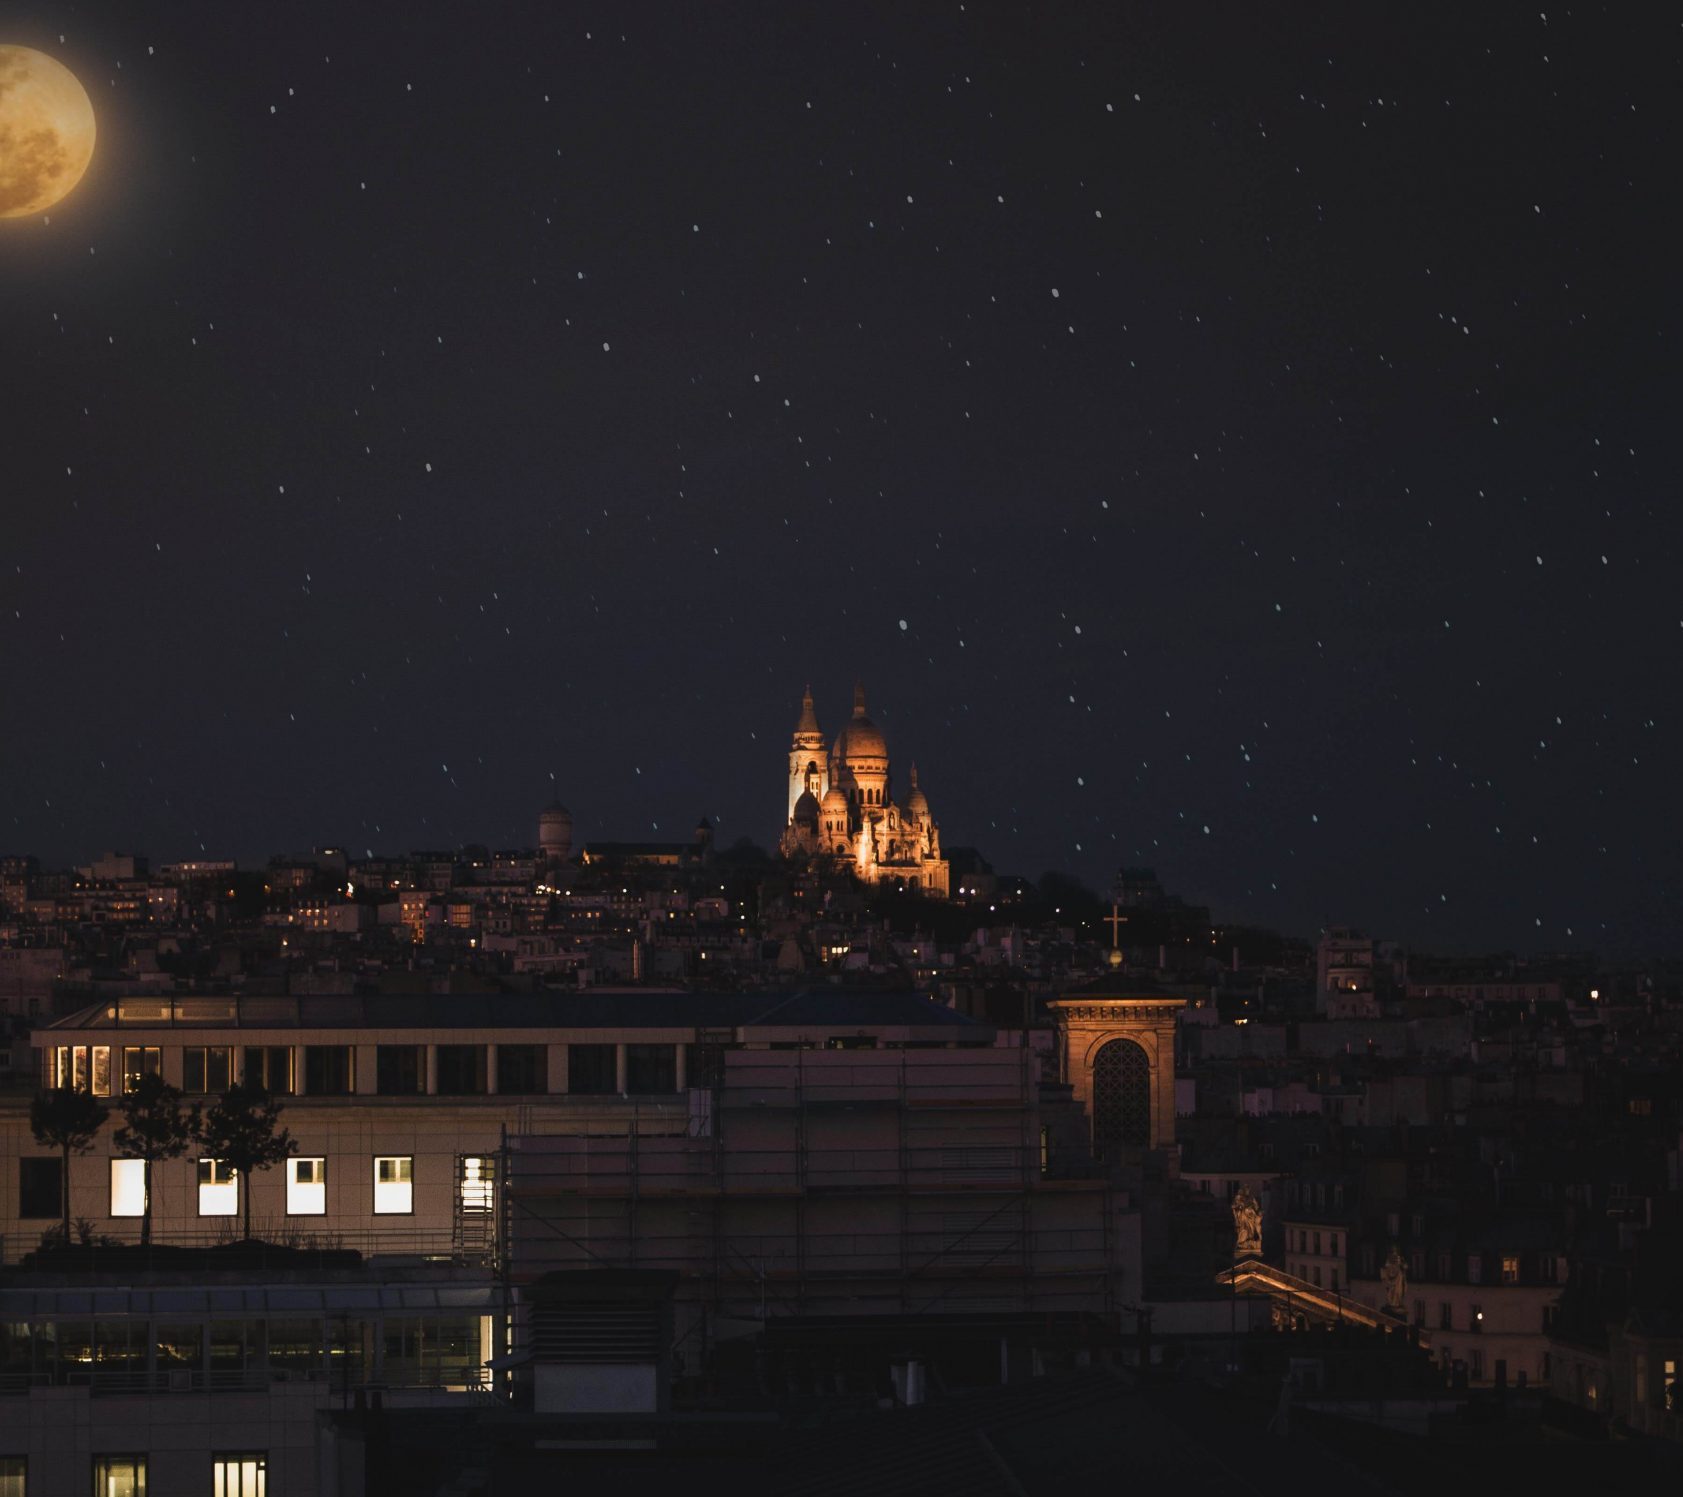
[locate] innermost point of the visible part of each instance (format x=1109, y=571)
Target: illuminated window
x=119, y=1476
x=219, y=1189
x=1510, y=1270
x=128, y=1187
x=476, y=1191
x=306, y=1187
x=82, y=1067
x=240, y=1475
x=14, y=1476
x=138, y=1061
x=394, y=1184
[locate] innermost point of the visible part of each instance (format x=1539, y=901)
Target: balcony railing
x=118, y=1246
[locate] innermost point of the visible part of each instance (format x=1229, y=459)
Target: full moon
x=46, y=131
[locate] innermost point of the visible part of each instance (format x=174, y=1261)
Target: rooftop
x=832, y=1007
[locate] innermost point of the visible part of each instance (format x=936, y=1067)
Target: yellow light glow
x=46, y=132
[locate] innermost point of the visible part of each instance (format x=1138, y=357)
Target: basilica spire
x=809, y=716
x=858, y=698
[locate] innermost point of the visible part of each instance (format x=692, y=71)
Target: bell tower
x=806, y=758
x=1116, y=1049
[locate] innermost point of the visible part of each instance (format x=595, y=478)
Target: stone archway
x=1121, y=1097
x=1117, y=1053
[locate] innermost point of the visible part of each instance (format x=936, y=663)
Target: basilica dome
x=806, y=809
x=861, y=740
x=917, y=803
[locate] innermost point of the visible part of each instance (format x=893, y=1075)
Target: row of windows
x=1446, y=1316
x=1305, y=1237
x=399, y=1070
x=41, y=1181
x=1312, y=1272
x=242, y=1474
x=443, y=1350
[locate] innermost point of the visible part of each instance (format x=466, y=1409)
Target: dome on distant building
x=861, y=741
x=555, y=830
x=840, y=815
x=917, y=803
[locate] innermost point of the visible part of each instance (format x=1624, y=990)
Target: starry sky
x=1227, y=438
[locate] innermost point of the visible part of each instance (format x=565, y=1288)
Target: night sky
x=1236, y=439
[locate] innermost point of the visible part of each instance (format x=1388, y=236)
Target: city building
x=841, y=809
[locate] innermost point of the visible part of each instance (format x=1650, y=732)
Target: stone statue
x=1394, y=1276
x=1247, y=1225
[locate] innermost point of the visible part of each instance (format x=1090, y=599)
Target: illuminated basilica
x=841, y=813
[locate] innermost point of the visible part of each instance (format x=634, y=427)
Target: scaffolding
x=819, y=1183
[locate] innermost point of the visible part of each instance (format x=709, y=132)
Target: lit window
x=219, y=1189
x=128, y=1187
x=1510, y=1270
x=240, y=1475
x=306, y=1187
x=394, y=1184
x=476, y=1185
x=14, y=1475
x=83, y=1067
x=119, y=1476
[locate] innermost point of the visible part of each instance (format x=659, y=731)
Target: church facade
x=842, y=815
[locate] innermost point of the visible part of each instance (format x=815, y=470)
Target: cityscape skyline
x=1237, y=448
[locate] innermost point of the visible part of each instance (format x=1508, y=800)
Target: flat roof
x=837, y=1008
x=65, y=1303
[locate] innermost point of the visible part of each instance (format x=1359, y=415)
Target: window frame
x=263, y=1072
x=322, y=1058
x=40, y=1163
x=408, y=1209
x=390, y=1061
x=156, y=1052
x=221, y=1459
x=587, y=1057
x=476, y=1187
x=203, y=1053
x=294, y=1184
x=513, y=1058
x=468, y=1068
x=215, y=1184
x=103, y=1460
x=124, y=1165
x=659, y=1057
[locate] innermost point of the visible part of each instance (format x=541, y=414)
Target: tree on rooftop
x=155, y=1127
x=242, y=1129
x=67, y=1119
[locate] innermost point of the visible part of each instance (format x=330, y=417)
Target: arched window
x=1121, y=1097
